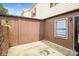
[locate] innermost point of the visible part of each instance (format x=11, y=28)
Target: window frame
x=53, y=4
x=33, y=12
x=55, y=28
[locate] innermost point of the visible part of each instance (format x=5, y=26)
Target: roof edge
x=40, y=19
x=61, y=14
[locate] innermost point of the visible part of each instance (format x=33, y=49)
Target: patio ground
x=40, y=48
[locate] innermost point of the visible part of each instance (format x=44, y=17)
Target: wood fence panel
x=13, y=33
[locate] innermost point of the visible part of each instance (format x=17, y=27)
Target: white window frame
x=66, y=27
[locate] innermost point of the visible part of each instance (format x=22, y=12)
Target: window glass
x=61, y=24
x=61, y=32
x=61, y=28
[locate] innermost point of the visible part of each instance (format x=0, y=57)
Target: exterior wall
x=62, y=8
x=43, y=10
x=23, y=31
x=49, y=30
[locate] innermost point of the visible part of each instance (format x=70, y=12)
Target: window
x=33, y=12
x=61, y=28
x=53, y=4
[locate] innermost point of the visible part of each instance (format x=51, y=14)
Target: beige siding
x=43, y=10
x=62, y=8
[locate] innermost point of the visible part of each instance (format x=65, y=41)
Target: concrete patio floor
x=40, y=48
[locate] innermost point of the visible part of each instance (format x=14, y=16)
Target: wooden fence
x=20, y=31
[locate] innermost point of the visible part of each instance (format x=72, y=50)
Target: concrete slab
x=40, y=48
